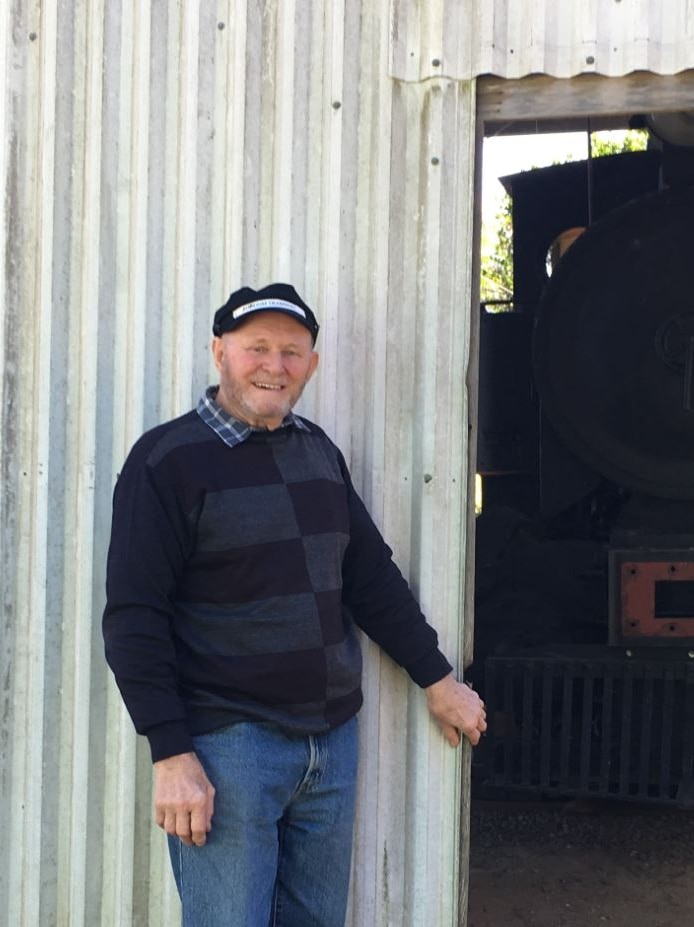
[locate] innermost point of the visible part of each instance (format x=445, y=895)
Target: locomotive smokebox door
x=614, y=346
x=651, y=597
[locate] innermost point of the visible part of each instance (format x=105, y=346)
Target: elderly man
x=241, y=560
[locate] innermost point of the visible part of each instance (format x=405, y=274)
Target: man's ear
x=313, y=363
x=217, y=349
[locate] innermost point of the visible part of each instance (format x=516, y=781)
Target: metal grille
x=602, y=724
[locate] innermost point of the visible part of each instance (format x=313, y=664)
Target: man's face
x=263, y=368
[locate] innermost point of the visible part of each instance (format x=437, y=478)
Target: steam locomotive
x=584, y=599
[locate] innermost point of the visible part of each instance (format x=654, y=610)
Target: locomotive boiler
x=584, y=614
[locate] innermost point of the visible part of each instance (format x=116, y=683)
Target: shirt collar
x=230, y=429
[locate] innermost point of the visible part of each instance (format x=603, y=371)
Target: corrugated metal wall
x=153, y=156
x=561, y=38
x=158, y=155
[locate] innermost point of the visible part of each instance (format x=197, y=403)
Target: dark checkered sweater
x=235, y=576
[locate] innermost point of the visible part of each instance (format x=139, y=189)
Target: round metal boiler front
x=613, y=347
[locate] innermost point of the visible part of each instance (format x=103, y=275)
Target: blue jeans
x=279, y=851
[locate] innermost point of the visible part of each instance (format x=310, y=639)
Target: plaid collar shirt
x=230, y=429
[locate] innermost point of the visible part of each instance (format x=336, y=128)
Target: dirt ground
x=579, y=864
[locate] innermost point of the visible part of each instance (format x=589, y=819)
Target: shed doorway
x=584, y=612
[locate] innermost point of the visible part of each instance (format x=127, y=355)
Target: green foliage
x=633, y=140
x=497, y=264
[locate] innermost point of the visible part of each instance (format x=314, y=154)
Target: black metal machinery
x=584, y=639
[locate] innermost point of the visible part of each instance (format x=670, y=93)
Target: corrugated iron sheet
x=154, y=156
x=561, y=38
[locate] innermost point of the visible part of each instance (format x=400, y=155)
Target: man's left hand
x=456, y=708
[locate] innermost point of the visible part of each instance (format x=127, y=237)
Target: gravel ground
x=535, y=864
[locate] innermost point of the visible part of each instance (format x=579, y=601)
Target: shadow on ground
x=579, y=864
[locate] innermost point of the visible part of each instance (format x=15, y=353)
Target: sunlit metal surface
x=561, y=39
x=153, y=157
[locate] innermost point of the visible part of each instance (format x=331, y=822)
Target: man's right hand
x=183, y=798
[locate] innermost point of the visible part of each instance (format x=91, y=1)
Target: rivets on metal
x=337, y=104
x=434, y=160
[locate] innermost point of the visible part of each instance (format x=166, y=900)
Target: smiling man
x=241, y=561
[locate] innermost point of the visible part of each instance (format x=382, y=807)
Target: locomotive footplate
x=591, y=721
x=651, y=597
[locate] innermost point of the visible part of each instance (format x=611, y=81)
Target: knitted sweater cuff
x=429, y=669
x=169, y=739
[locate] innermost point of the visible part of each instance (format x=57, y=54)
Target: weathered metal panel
x=154, y=156
x=561, y=38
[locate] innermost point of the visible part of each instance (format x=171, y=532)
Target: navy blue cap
x=277, y=297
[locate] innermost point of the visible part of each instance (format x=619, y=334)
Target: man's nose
x=274, y=362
